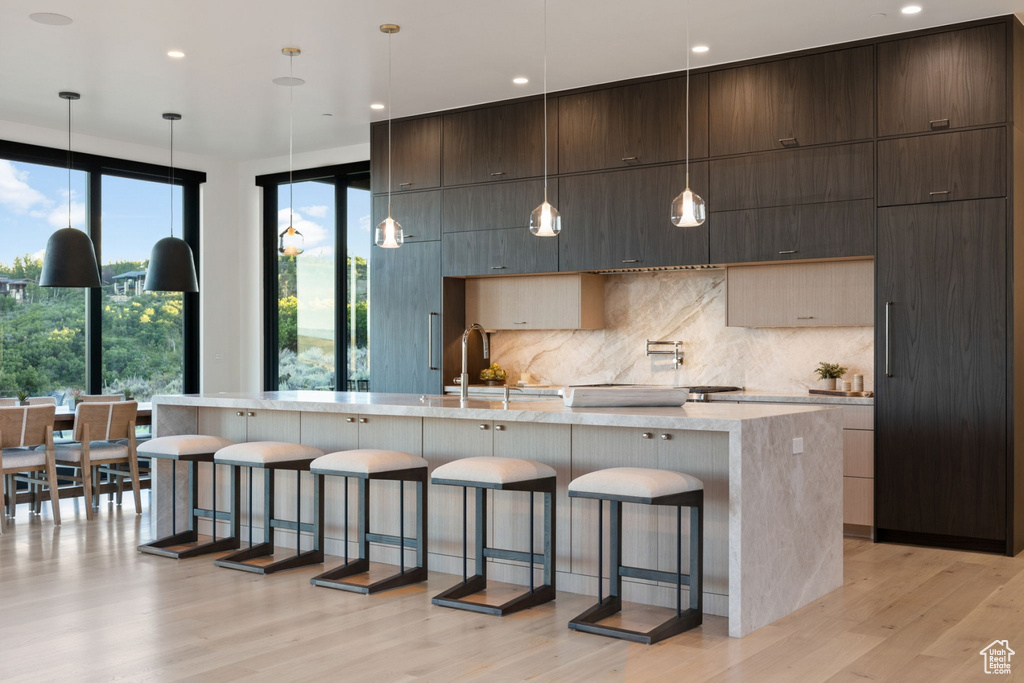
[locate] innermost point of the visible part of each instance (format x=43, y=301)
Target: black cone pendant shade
x=70, y=258
x=171, y=266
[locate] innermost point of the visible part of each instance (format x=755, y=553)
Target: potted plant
x=828, y=373
x=76, y=398
x=22, y=398
x=494, y=375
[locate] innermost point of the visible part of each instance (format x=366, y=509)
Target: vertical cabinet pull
x=888, y=369
x=430, y=341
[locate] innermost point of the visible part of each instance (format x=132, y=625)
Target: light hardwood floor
x=79, y=603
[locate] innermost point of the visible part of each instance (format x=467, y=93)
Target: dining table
x=64, y=419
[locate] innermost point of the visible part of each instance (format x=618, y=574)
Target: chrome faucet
x=464, y=381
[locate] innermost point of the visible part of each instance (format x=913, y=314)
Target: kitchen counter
x=773, y=478
x=744, y=396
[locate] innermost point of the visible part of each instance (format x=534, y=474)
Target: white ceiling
x=449, y=53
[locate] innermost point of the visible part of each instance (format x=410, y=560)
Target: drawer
x=858, y=417
x=497, y=252
x=858, y=501
x=943, y=167
x=858, y=453
x=804, y=176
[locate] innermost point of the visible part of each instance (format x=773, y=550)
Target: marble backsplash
x=688, y=306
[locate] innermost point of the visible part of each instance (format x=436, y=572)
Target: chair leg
x=87, y=475
x=133, y=467
x=51, y=483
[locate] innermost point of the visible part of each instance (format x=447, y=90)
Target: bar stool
x=367, y=465
x=271, y=456
x=192, y=449
x=620, y=485
x=500, y=474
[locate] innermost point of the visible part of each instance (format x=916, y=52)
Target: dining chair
x=41, y=401
x=26, y=449
x=100, y=398
x=4, y=402
x=104, y=436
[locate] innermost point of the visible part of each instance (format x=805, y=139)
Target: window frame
x=97, y=166
x=341, y=175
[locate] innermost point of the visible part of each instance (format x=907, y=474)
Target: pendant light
x=290, y=241
x=171, y=265
x=545, y=221
x=688, y=210
x=70, y=259
x=389, y=233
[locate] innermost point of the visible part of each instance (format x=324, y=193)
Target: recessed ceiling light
x=289, y=81
x=376, y=105
x=700, y=48
x=177, y=54
x=50, y=19
x=520, y=80
x=911, y=9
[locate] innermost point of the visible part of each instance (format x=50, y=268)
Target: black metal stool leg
x=531, y=542
x=600, y=552
x=298, y=512
x=174, y=497
x=401, y=527
x=250, y=507
x=214, y=506
x=465, y=526
x=346, y=520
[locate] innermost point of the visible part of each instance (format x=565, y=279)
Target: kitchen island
x=772, y=477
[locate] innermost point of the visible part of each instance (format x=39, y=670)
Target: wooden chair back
x=100, y=398
x=41, y=401
x=106, y=421
x=23, y=426
x=4, y=402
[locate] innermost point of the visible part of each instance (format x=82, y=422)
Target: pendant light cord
x=291, y=128
x=687, y=94
x=69, y=162
x=545, y=101
x=170, y=174
x=389, y=124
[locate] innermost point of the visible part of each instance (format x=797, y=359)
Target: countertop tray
x=828, y=392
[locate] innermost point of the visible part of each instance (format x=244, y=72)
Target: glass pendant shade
x=688, y=209
x=291, y=242
x=389, y=234
x=70, y=260
x=545, y=221
x=171, y=267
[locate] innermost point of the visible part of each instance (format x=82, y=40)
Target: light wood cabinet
x=537, y=302
x=838, y=293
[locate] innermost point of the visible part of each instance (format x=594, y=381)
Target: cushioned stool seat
x=619, y=485
x=273, y=456
x=500, y=474
x=191, y=449
x=635, y=482
x=366, y=465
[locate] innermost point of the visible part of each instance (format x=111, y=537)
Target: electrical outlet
x=218, y=358
x=798, y=445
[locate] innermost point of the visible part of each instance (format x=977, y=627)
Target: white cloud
x=319, y=211
x=39, y=255
x=313, y=233
x=58, y=216
x=15, y=192
x=322, y=252
x=364, y=223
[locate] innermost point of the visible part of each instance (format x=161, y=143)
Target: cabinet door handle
x=631, y=260
x=519, y=323
x=629, y=158
x=240, y=414
x=805, y=317
x=666, y=437
x=499, y=428
x=788, y=142
x=363, y=420
x=938, y=124
x=350, y=420
x=938, y=192
x=497, y=173
x=646, y=435
x=888, y=370
x=251, y=414
x=483, y=427
x=430, y=341
x=789, y=251
x=405, y=184
x=497, y=267
x=409, y=237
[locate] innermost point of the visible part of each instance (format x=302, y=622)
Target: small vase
x=494, y=382
x=827, y=384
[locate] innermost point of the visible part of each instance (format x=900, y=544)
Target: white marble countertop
x=695, y=416
x=744, y=396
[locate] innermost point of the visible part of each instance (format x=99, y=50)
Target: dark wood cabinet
x=942, y=167
x=621, y=219
x=805, y=176
x=941, y=360
x=946, y=80
x=498, y=252
x=787, y=233
x=419, y=214
x=405, y=320
x=810, y=100
x=415, y=153
x=499, y=143
x=495, y=206
x=631, y=125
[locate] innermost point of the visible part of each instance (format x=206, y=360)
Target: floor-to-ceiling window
x=117, y=338
x=316, y=302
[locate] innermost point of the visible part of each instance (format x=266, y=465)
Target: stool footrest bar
x=653, y=575
x=391, y=540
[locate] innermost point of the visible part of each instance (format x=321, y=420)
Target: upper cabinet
x=570, y=301
x=630, y=125
x=415, y=153
x=419, y=214
x=499, y=143
x=792, y=102
x=945, y=80
x=496, y=206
